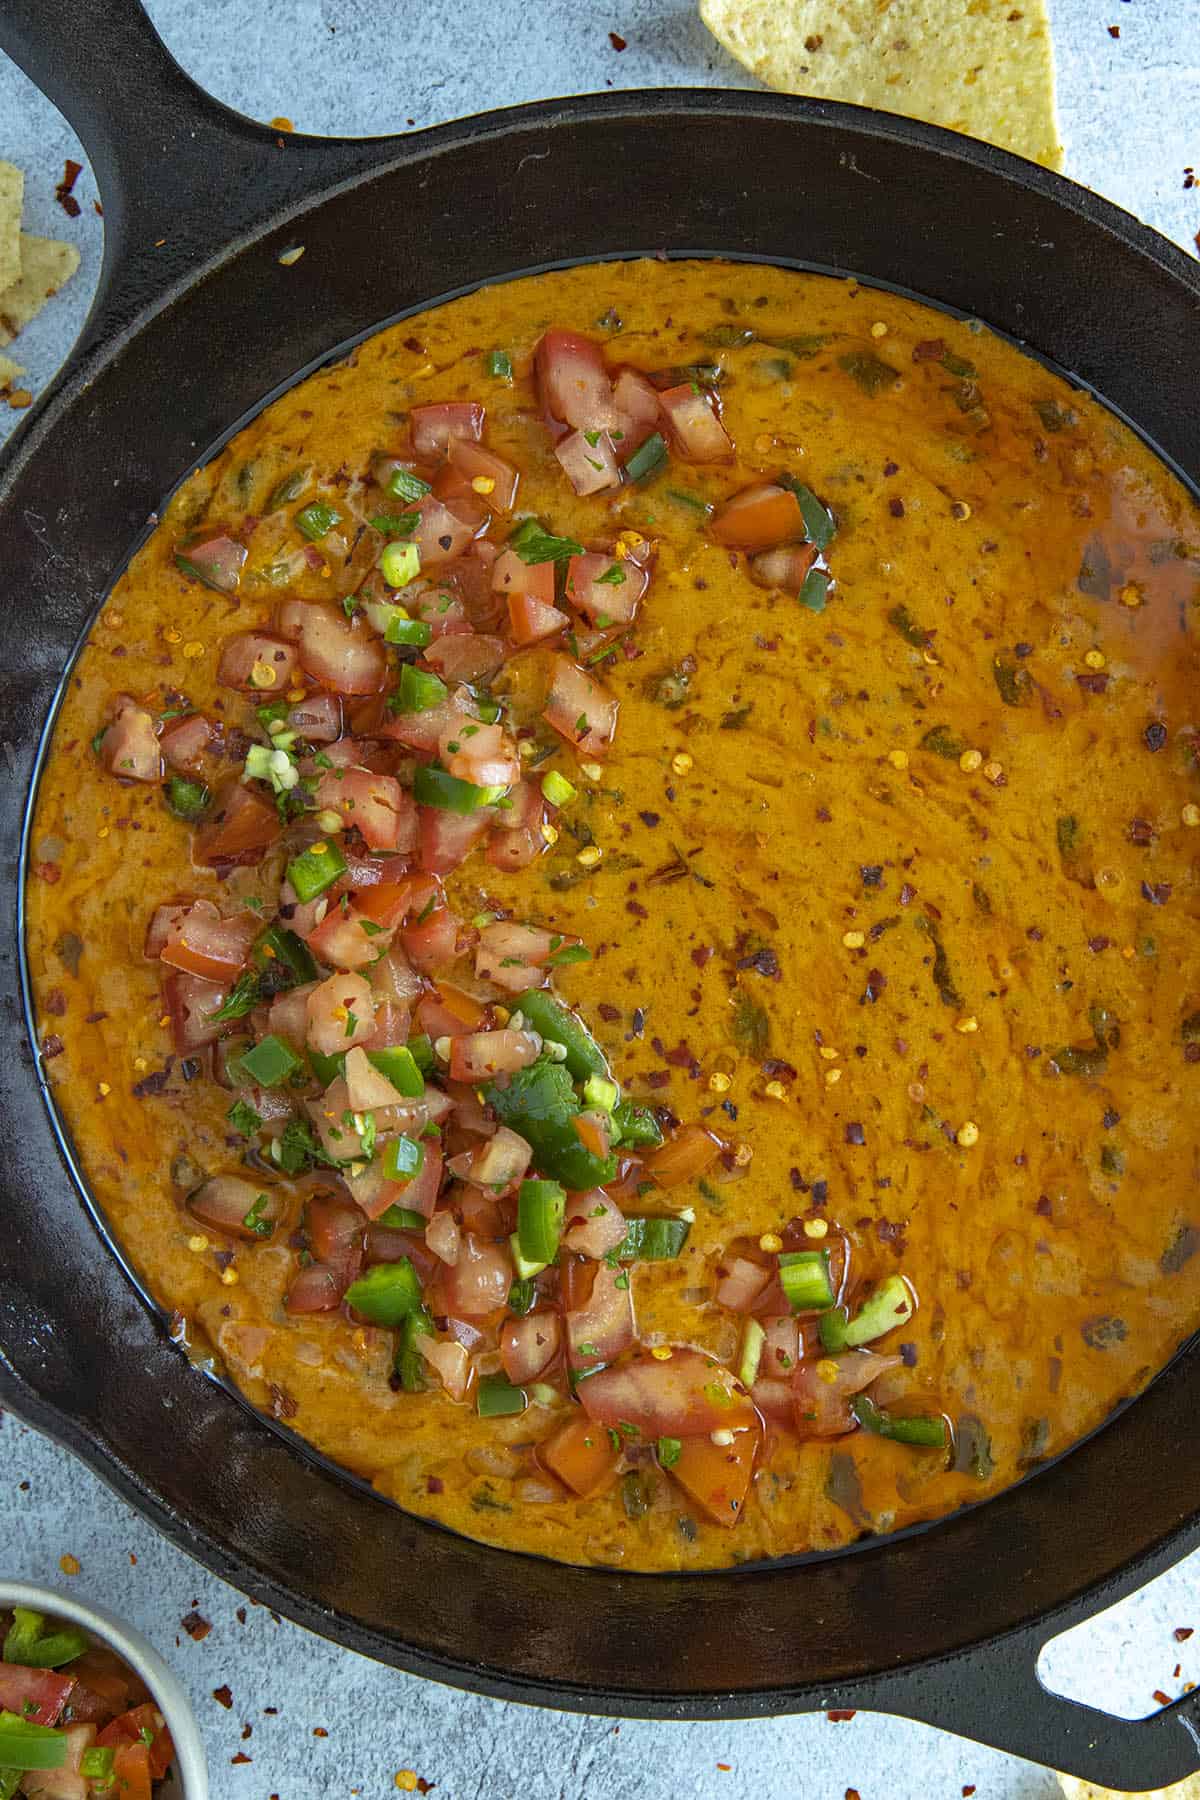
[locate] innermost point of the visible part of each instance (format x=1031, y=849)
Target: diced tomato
x=421, y=731
x=510, y=576
x=203, y=943
x=482, y=754
x=145, y=1725
x=528, y=1346
x=603, y=1326
x=696, y=429
x=431, y=938
x=741, y=1284
x=501, y=1161
x=314, y=1288
x=530, y=621
x=464, y=1007
x=446, y=839
x=717, y=1476
x=191, y=1001
x=480, y=1055
x=579, y=709
x=341, y=941
x=131, y=1773
x=451, y=1361
x=606, y=588
x=519, y=840
x=683, y=1157
x=318, y=718
x=822, y=1389
x=129, y=748
x=512, y=955
x=481, y=466
x=441, y=534
x=593, y=1128
x=343, y=655
x=376, y=805
x=254, y=661
x=448, y=1012
x=385, y=903
x=594, y=1224
x=758, y=518
x=582, y=1455
x=217, y=559
x=637, y=401
x=340, y=1013
x=588, y=461
x=43, y=1692
x=288, y=1017
x=244, y=827
x=443, y=612
x=773, y=1397
x=435, y=428
x=784, y=568
x=467, y=658
x=573, y=382
x=184, y=742
x=684, y=1395
x=479, y=1281
x=163, y=921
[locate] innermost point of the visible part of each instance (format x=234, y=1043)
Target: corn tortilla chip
x=1187, y=1789
x=10, y=372
x=12, y=194
x=985, y=67
x=46, y=263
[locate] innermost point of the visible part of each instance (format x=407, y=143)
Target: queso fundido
x=613, y=913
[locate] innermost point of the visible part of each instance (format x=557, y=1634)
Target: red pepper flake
x=55, y=1003
x=1183, y=1633
x=968, y=1790
x=1093, y=683
x=241, y=1757
x=48, y=872
x=63, y=194
x=702, y=954
x=434, y=1484
x=725, y=1767
x=658, y=1078
x=1189, y=177
x=1114, y=31
x=196, y=1626
x=619, y=43
x=608, y=1012
x=52, y=1046
x=241, y=1615
x=840, y=1714
x=283, y=1406
x=223, y=1697
x=320, y=1731
x=853, y=1794
x=1163, y=1699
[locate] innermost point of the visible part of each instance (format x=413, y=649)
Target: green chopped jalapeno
x=539, y=1103
x=498, y=364
x=418, y=691
x=407, y=486
x=496, y=1397
x=434, y=786
x=648, y=458
x=400, y=1067
x=316, y=519
x=551, y=1019
x=922, y=1429
x=267, y=1063
x=403, y=1159
x=315, y=869
x=387, y=1293
x=541, y=1206
x=653, y=1239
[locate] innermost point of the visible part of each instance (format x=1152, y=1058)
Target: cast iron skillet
x=195, y=323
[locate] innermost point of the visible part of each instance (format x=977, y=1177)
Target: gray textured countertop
x=310, y=1719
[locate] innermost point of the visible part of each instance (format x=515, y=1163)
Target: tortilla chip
x=985, y=67
x=1187, y=1789
x=12, y=194
x=46, y=263
x=9, y=372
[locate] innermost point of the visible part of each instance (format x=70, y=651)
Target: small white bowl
x=189, y=1780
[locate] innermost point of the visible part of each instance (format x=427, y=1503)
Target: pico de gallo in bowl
x=76, y=1721
x=612, y=909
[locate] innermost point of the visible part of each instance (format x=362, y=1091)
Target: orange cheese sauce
x=959, y=809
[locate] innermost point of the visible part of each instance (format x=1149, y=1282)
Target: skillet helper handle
x=995, y=1696
x=182, y=177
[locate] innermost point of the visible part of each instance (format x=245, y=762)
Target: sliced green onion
x=890, y=1305
x=819, y=526
x=670, y=1449
x=805, y=1278
x=551, y=1019
x=400, y=1067
x=753, y=1339
x=387, y=1293
x=24, y=1745
x=418, y=691
x=521, y=1297
x=693, y=502
x=599, y=1092
x=435, y=786
x=400, y=564
x=413, y=634
x=541, y=1207
x=402, y=1218
x=268, y=1062
x=831, y=1329
x=647, y=458
x=96, y=1764
x=407, y=486
x=403, y=1159
x=498, y=364
x=315, y=869
x=533, y=545
x=315, y=519
x=186, y=799
x=653, y=1239
x=924, y=1429
x=557, y=789
x=814, y=591
x=420, y=1048
x=496, y=1397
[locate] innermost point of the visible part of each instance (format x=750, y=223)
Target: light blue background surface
x=1131, y=126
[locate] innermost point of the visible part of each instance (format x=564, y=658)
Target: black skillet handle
x=182, y=178
x=994, y=1696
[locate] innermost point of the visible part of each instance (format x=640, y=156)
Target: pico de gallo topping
x=475, y=1182
x=75, y=1722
